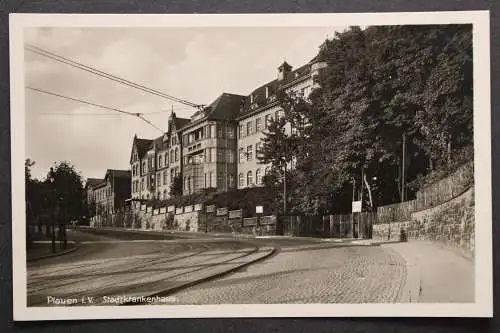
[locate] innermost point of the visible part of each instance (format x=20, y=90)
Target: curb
x=57, y=254
x=186, y=285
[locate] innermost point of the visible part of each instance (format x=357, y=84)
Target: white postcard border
x=483, y=307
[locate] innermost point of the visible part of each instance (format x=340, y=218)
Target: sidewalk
x=435, y=273
x=43, y=249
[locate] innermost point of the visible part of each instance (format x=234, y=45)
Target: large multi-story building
x=156, y=163
x=218, y=147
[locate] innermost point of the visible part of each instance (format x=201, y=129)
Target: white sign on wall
x=356, y=206
x=259, y=209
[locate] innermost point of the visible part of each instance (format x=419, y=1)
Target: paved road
x=309, y=273
x=115, y=264
x=111, y=265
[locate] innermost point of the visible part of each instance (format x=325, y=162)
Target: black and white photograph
x=251, y=165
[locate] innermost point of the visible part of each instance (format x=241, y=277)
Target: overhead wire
x=136, y=114
x=112, y=77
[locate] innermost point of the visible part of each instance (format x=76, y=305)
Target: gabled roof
x=159, y=144
x=180, y=122
x=143, y=145
x=118, y=173
x=225, y=107
x=91, y=182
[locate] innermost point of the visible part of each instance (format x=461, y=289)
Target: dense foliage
x=383, y=86
x=61, y=191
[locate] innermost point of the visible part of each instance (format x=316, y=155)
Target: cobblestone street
x=364, y=274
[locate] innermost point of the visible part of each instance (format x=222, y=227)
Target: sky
x=195, y=64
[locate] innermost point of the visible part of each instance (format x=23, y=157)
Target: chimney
x=267, y=92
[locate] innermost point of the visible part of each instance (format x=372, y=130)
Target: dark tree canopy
x=382, y=85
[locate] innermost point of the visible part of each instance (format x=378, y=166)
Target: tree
x=66, y=188
x=386, y=90
x=176, y=186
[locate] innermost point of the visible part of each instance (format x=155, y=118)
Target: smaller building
x=107, y=196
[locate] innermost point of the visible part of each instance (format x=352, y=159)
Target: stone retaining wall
x=451, y=223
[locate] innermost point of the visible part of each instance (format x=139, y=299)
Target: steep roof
x=91, y=182
x=225, y=107
x=180, y=122
x=143, y=145
x=118, y=173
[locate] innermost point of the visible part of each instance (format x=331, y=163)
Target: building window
x=176, y=154
x=249, y=153
x=142, y=184
x=267, y=120
x=241, y=155
x=165, y=178
x=212, y=179
x=258, y=124
x=207, y=155
x=220, y=131
x=158, y=179
x=213, y=152
x=230, y=181
x=220, y=155
x=229, y=132
x=166, y=158
x=143, y=171
x=171, y=156
x=172, y=175
x=159, y=161
x=249, y=128
x=205, y=180
x=212, y=131
x=240, y=131
x=258, y=177
x=164, y=194
x=230, y=156
x=266, y=171
x=241, y=180
x=220, y=180
x=249, y=178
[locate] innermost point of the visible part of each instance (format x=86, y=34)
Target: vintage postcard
x=277, y=165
